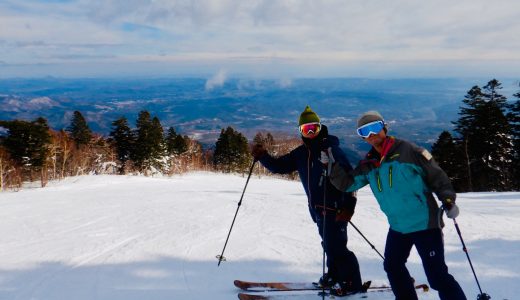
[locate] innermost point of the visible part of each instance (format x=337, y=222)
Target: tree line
x=31, y=150
x=482, y=153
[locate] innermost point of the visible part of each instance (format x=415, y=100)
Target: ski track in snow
x=124, y=237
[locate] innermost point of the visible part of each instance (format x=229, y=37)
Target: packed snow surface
x=124, y=237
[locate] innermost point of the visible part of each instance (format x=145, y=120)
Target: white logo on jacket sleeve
x=426, y=154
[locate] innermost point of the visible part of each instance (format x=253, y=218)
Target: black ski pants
x=342, y=264
x=430, y=246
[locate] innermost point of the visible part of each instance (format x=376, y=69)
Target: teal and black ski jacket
x=402, y=181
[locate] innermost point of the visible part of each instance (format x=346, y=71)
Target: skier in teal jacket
x=402, y=177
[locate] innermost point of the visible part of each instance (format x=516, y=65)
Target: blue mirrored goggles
x=370, y=128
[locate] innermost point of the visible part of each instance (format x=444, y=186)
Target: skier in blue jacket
x=402, y=177
x=343, y=269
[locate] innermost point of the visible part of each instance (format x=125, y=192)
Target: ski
x=284, y=295
x=314, y=295
x=285, y=286
x=283, y=290
x=294, y=286
x=275, y=286
x=303, y=295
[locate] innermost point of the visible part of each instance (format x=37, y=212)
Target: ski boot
x=325, y=281
x=345, y=288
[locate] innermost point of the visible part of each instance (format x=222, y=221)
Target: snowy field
x=121, y=238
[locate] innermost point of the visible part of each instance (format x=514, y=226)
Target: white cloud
x=216, y=80
x=261, y=34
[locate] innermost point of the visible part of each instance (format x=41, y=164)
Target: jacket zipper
x=378, y=181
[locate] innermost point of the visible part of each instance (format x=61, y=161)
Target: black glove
x=344, y=215
x=258, y=151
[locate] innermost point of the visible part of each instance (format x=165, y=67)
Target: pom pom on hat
x=308, y=116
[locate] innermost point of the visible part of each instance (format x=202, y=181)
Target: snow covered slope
x=118, y=237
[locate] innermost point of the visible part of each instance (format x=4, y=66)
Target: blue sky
x=264, y=38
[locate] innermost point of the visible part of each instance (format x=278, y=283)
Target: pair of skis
x=289, y=290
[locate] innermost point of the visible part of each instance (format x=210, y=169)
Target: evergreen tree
x=123, y=141
x=498, y=148
x=231, y=151
x=474, y=101
x=485, y=137
x=464, y=126
x=448, y=154
x=27, y=142
x=175, y=143
x=514, y=120
x=79, y=130
x=157, y=139
x=148, y=141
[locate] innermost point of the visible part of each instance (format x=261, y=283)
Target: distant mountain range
x=416, y=109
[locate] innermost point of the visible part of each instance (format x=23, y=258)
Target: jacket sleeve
x=436, y=179
x=348, y=180
x=348, y=198
x=341, y=158
x=281, y=165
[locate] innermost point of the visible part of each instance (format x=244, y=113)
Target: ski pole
x=481, y=296
x=373, y=247
x=326, y=172
x=221, y=256
x=325, y=176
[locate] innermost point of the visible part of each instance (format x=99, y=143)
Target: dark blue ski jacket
x=305, y=160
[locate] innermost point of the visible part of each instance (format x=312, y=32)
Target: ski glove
x=453, y=212
x=258, y=151
x=344, y=215
x=451, y=209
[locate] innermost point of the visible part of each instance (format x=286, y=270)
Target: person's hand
x=344, y=215
x=258, y=151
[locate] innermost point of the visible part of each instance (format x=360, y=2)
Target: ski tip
x=243, y=296
x=239, y=284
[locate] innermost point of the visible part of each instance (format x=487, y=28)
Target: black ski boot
x=345, y=288
x=326, y=281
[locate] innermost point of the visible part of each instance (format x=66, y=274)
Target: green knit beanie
x=308, y=116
